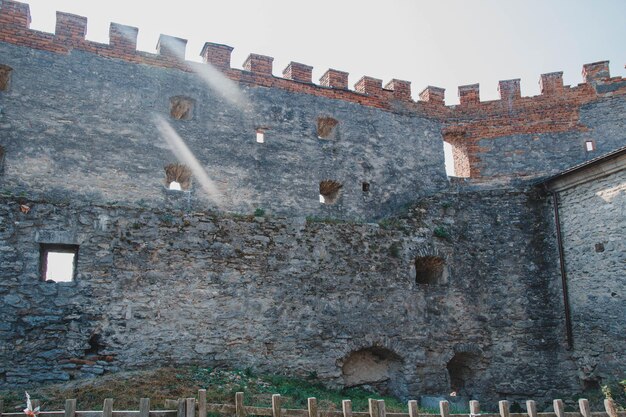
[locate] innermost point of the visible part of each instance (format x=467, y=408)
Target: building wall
x=84, y=127
x=593, y=220
x=158, y=287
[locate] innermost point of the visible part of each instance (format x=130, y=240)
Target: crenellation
x=217, y=55
x=123, y=37
x=469, y=94
x=551, y=83
x=433, y=95
x=298, y=72
x=70, y=26
x=259, y=64
x=596, y=71
x=335, y=79
x=14, y=13
x=509, y=89
x=171, y=47
x=370, y=86
x=401, y=89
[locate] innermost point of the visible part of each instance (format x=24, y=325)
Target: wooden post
x=531, y=408
x=444, y=408
x=558, y=408
x=381, y=408
x=240, y=411
x=70, y=408
x=373, y=407
x=504, y=408
x=201, y=403
x=180, y=411
x=276, y=405
x=474, y=407
x=413, y=410
x=609, y=406
x=583, y=403
x=107, y=407
x=346, y=406
x=312, y=406
x=190, y=407
x=144, y=407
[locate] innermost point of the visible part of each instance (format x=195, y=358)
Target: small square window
x=260, y=136
x=58, y=262
x=590, y=146
x=365, y=186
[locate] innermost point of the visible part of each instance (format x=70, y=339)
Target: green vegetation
x=174, y=383
x=259, y=212
x=442, y=233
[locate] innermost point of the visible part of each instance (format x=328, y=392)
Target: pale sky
x=445, y=43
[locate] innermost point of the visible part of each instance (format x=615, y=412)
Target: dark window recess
x=430, y=270
x=366, y=187
x=600, y=247
x=326, y=127
x=462, y=370
x=177, y=177
x=5, y=77
x=58, y=262
x=181, y=108
x=329, y=191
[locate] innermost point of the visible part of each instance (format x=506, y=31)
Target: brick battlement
x=257, y=70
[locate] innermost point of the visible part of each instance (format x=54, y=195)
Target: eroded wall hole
x=463, y=370
x=326, y=127
x=329, y=191
x=5, y=77
x=430, y=270
x=181, y=107
x=95, y=345
x=177, y=177
x=377, y=367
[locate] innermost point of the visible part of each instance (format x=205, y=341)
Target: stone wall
x=286, y=294
x=95, y=137
x=593, y=220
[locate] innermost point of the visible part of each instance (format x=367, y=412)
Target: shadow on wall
x=377, y=367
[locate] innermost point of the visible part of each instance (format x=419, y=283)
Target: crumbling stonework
x=429, y=284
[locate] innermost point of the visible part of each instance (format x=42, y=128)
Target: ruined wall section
x=593, y=220
x=277, y=294
x=80, y=126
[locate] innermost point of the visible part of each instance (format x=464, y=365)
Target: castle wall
x=593, y=220
x=277, y=294
x=84, y=127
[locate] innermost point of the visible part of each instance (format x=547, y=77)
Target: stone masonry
x=315, y=229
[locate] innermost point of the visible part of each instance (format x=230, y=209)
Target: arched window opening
x=329, y=191
x=463, y=371
x=376, y=366
x=177, y=177
x=456, y=155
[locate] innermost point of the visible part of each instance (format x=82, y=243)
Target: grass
x=173, y=383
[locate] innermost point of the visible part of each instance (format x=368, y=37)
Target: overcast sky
x=445, y=43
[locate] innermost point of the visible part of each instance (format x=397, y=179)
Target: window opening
x=260, y=136
x=366, y=187
x=430, y=270
x=181, y=108
x=177, y=177
x=58, y=262
x=329, y=191
x=326, y=127
x=5, y=77
x=590, y=146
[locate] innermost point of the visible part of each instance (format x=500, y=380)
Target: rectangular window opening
x=58, y=262
x=366, y=187
x=590, y=146
x=260, y=136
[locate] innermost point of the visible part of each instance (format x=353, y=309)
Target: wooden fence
x=190, y=407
